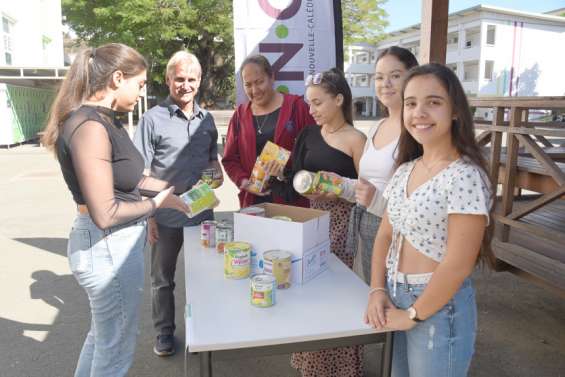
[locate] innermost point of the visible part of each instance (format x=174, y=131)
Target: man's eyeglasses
x=314, y=79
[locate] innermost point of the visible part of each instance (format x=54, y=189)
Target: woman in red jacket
x=268, y=116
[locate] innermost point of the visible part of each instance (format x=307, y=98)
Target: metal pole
x=205, y=364
x=338, y=21
x=386, y=355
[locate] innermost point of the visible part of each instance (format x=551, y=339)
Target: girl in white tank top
x=377, y=162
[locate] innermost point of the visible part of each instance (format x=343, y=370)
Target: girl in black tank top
x=332, y=146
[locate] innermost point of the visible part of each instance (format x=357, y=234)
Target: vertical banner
x=298, y=37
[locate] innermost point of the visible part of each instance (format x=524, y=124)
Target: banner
x=298, y=37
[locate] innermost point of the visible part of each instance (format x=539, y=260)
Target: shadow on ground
x=45, y=349
x=53, y=245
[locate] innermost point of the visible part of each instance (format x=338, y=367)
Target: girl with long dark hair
x=376, y=165
x=104, y=172
x=436, y=226
x=332, y=145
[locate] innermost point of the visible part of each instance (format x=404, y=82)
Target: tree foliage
x=159, y=28
x=363, y=21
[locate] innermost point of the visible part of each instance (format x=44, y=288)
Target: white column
x=130, y=124
x=461, y=53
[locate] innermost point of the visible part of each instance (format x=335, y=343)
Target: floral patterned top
x=461, y=187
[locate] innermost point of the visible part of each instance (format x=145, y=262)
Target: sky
x=403, y=13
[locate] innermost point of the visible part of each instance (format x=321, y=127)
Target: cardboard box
x=306, y=237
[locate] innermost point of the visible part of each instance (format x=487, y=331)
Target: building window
x=7, y=30
x=491, y=34
x=363, y=58
x=489, y=65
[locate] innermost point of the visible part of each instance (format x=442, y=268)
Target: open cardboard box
x=306, y=237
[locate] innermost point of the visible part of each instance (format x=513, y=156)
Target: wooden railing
x=526, y=159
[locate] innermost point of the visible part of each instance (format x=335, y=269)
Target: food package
x=199, y=198
x=259, y=177
x=212, y=177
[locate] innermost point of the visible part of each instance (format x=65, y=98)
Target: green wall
x=29, y=108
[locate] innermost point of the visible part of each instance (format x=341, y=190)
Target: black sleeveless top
x=315, y=154
x=127, y=162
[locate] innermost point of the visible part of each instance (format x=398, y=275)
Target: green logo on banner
x=281, y=31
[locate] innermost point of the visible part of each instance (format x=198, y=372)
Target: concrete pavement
x=44, y=314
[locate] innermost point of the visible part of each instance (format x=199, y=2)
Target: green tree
x=363, y=21
x=159, y=28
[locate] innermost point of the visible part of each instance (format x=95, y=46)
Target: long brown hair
x=462, y=137
x=90, y=73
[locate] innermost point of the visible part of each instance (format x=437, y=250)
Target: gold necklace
x=337, y=129
x=429, y=168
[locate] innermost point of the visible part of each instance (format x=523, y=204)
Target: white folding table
x=221, y=323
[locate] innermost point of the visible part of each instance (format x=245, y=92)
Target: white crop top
x=377, y=165
x=461, y=187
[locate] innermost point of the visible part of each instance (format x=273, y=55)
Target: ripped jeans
x=440, y=346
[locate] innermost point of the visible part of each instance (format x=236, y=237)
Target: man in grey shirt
x=178, y=140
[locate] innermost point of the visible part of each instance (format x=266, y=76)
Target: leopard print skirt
x=336, y=362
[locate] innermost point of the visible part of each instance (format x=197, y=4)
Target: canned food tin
x=325, y=182
x=224, y=233
x=237, y=257
x=208, y=233
x=263, y=291
x=283, y=218
x=303, y=182
x=278, y=263
x=256, y=263
x=253, y=211
x=212, y=177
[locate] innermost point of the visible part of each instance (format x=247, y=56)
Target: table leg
x=185, y=362
x=205, y=364
x=386, y=357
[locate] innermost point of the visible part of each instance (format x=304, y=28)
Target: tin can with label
x=256, y=263
x=263, y=291
x=208, y=233
x=237, y=256
x=283, y=218
x=224, y=233
x=304, y=182
x=278, y=263
x=212, y=177
x=253, y=211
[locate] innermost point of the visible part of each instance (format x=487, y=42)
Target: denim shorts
x=109, y=266
x=442, y=345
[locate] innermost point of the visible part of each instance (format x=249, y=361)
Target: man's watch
x=412, y=314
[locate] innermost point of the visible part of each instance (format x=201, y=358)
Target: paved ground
x=44, y=314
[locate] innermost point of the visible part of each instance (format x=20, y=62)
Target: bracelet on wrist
x=377, y=289
x=153, y=207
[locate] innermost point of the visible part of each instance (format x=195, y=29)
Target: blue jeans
x=108, y=264
x=440, y=346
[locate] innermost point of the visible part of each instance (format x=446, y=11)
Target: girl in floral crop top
x=434, y=230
